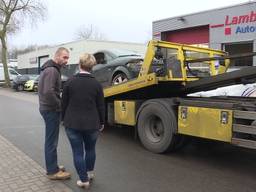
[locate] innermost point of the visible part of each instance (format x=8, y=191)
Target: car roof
x=120, y=52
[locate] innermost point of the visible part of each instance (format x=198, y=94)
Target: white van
x=12, y=74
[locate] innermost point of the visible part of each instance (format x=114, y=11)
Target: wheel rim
x=120, y=78
x=154, y=129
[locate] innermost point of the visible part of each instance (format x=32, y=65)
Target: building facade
x=232, y=29
x=30, y=63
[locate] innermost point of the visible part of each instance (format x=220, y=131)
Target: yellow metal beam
x=131, y=85
x=145, y=78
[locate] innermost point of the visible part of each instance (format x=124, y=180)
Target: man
x=49, y=87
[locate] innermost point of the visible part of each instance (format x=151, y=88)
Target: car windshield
x=124, y=53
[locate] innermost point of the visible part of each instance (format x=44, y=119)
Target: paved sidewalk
x=19, y=173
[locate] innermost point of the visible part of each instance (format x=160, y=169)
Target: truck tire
x=157, y=125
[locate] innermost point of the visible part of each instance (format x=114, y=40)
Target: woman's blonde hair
x=87, y=61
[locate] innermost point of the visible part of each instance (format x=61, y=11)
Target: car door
x=103, y=70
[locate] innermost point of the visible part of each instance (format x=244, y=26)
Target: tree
x=13, y=13
x=89, y=32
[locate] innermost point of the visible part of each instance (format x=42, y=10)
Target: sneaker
x=60, y=175
x=62, y=168
x=83, y=184
x=91, y=175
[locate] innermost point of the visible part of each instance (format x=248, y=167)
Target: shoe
x=60, y=175
x=91, y=175
x=62, y=168
x=83, y=184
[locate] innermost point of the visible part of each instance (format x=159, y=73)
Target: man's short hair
x=60, y=50
x=87, y=61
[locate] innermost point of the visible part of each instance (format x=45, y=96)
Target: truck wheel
x=156, y=126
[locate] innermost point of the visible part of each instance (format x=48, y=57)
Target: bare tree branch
x=13, y=14
x=89, y=32
x=4, y=4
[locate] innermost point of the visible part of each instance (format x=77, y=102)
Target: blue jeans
x=52, y=122
x=83, y=147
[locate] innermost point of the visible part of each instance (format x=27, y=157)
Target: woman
x=83, y=116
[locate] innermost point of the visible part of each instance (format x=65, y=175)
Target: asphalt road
x=124, y=165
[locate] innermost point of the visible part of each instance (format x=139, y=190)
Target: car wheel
x=119, y=78
x=20, y=87
x=35, y=88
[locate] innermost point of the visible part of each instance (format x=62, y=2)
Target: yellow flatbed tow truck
x=157, y=105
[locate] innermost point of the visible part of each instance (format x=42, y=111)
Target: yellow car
x=30, y=86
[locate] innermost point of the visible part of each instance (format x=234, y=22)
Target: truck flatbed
x=157, y=105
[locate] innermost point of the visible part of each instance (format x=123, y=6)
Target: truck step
x=245, y=115
x=249, y=129
x=244, y=143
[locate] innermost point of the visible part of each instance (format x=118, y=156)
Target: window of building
x=239, y=48
x=41, y=61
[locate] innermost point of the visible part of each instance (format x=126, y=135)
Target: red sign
x=237, y=20
x=251, y=17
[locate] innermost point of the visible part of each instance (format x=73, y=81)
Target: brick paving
x=19, y=173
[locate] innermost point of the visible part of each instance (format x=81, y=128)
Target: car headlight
x=135, y=65
x=29, y=83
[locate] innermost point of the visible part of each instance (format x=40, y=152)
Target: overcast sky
x=118, y=20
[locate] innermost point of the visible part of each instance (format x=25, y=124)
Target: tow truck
x=157, y=105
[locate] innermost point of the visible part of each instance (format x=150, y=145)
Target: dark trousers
x=52, y=122
x=83, y=147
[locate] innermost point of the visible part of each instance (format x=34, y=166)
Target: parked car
x=12, y=73
x=19, y=81
x=32, y=85
x=116, y=66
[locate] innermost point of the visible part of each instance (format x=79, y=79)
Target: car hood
x=130, y=56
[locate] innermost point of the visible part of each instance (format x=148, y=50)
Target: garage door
x=195, y=35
